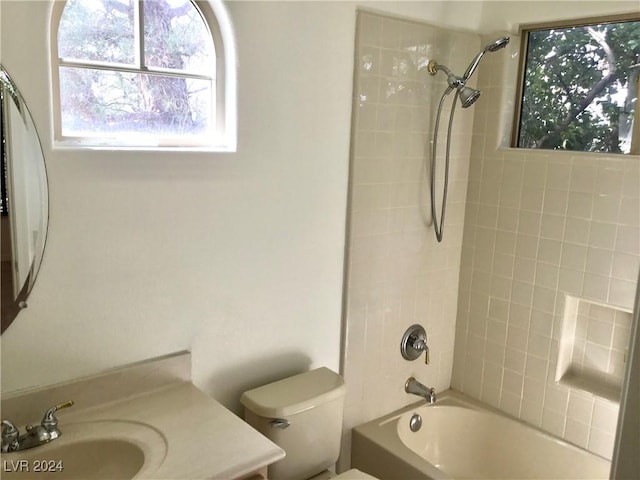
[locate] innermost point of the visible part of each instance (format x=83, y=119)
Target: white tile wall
x=540, y=225
x=397, y=274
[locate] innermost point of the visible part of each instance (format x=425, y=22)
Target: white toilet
x=303, y=416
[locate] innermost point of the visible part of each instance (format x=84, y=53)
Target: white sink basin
x=110, y=449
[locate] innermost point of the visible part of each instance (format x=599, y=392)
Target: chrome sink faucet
x=47, y=431
x=416, y=388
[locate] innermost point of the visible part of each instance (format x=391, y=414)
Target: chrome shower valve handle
x=421, y=344
x=414, y=342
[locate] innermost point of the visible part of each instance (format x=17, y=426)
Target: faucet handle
x=49, y=421
x=8, y=427
x=420, y=345
x=9, y=436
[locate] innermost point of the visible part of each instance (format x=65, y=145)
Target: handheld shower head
x=497, y=45
x=467, y=97
x=491, y=47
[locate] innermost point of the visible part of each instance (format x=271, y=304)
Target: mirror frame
x=10, y=95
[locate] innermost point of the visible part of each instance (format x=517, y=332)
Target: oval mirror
x=24, y=205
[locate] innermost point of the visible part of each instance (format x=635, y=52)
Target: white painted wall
x=237, y=257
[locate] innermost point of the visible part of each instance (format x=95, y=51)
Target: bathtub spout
x=416, y=388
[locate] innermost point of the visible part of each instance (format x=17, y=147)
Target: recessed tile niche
x=593, y=347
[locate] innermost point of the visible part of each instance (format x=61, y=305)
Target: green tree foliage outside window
x=137, y=68
x=580, y=88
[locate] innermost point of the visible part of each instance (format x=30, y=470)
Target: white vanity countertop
x=204, y=439
x=184, y=433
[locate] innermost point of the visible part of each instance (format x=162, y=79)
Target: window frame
x=224, y=135
x=523, y=33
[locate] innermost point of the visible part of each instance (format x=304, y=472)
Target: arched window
x=143, y=73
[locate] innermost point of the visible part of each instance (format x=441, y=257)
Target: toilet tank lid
x=294, y=394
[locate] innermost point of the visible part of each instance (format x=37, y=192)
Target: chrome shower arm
x=453, y=80
x=433, y=67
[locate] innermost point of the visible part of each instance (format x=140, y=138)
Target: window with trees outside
x=579, y=87
x=137, y=73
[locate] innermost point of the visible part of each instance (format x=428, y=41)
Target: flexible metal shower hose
x=438, y=225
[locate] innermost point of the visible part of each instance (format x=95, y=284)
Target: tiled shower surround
x=397, y=274
x=540, y=226
x=524, y=230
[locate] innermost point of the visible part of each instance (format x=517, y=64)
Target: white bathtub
x=462, y=438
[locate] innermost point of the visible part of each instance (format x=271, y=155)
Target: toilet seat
x=353, y=474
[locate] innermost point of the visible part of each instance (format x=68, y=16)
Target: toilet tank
x=303, y=416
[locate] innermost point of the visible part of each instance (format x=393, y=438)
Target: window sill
x=569, y=153
x=75, y=146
